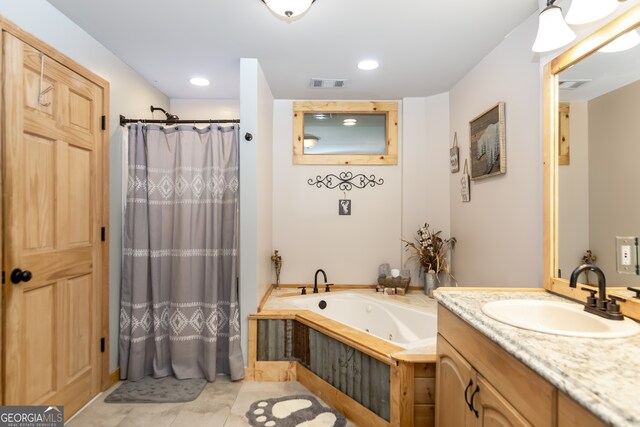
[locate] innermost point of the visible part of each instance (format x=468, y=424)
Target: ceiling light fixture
x=624, y=42
x=288, y=8
x=368, y=65
x=199, y=81
x=310, y=141
x=349, y=122
x=585, y=11
x=553, y=31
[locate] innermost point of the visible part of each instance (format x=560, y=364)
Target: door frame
x=102, y=152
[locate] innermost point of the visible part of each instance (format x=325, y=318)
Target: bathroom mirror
x=592, y=143
x=357, y=133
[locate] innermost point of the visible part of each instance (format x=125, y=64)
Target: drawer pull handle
x=475, y=411
x=466, y=391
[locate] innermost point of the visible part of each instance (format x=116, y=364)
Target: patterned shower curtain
x=179, y=310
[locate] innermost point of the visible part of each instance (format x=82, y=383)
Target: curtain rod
x=124, y=121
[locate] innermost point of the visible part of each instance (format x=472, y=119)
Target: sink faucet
x=602, y=306
x=315, y=279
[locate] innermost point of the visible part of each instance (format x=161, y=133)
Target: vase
x=430, y=282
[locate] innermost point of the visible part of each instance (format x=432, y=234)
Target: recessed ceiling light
x=199, y=81
x=368, y=65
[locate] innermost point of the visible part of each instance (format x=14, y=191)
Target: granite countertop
x=602, y=375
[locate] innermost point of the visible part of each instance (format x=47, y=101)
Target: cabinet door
x=493, y=409
x=571, y=414
x=455, y=381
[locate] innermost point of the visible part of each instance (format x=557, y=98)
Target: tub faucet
x=602, y=306
x=315, y=279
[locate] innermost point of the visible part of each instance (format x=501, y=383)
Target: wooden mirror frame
x=390, y=109
x=625, y=22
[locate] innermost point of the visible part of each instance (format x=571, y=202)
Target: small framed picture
x=344, y=207
x=465, y=188
x=454, y=155
x=487, y=145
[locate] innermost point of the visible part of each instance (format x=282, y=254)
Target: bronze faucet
x=315, y=280
x=602, y=307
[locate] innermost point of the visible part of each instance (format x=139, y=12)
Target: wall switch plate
x=627, y=255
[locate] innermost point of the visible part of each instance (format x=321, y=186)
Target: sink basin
x=558, y=318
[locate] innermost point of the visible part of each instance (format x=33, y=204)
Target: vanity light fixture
x=553, y=31
x=368, y=65
x=624, y=42
x=288, y=8
x=585, y=11
x=199, y=81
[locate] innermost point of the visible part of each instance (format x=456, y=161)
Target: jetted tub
x=392, y=321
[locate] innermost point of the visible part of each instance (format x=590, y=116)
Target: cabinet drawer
x=528, y=393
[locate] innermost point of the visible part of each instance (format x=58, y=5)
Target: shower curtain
x=179, y=310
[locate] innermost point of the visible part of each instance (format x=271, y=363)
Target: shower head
x=170, y=117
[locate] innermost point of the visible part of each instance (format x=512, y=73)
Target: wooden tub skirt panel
x=352, y=372
x=363, y=377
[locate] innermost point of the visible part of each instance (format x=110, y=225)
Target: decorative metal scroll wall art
x=345, y=181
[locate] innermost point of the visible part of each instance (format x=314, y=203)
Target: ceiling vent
x=328, y=83
x=572, y=84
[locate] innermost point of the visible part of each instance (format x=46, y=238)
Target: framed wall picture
x=454, y=155
x=487, y=145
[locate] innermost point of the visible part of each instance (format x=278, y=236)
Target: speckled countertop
x=603, y=375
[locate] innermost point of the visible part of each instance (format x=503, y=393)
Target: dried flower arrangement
x=431, y=251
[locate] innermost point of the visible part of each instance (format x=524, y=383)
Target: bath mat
x=293, y=411
x=157, y=390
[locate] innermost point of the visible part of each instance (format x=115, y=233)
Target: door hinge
x=104, y=122
x=3, y=277
x=102, y=344
x=103, y=234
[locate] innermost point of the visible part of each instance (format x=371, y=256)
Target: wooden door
x=493, y=409
x=52, y=213
x=455, y=383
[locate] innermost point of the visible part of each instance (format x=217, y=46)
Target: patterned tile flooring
x=221, y=404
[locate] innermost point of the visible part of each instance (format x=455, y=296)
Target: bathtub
x=395, y=322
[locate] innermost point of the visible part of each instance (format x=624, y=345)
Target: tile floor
x=221, y=404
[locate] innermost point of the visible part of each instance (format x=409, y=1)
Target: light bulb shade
x=624, y=42
x=553, y=32
x=288, y=8
x=585, y=11
x=310, y=141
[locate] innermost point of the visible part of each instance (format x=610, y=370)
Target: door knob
x=18, y=276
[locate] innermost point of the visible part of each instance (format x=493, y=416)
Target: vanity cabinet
x=466, y=398
x=474, y=374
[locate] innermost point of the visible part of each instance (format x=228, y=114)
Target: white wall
x=425, y=168
x=256, y=115
x=573, y=189
x=614, y=133
x=307, y=230
x=500, y=231
x=130, y=95
x=203, y=109
x=309, y=233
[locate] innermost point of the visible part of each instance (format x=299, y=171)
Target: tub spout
x=315, y=279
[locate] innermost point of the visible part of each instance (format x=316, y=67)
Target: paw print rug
x=293, y=411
